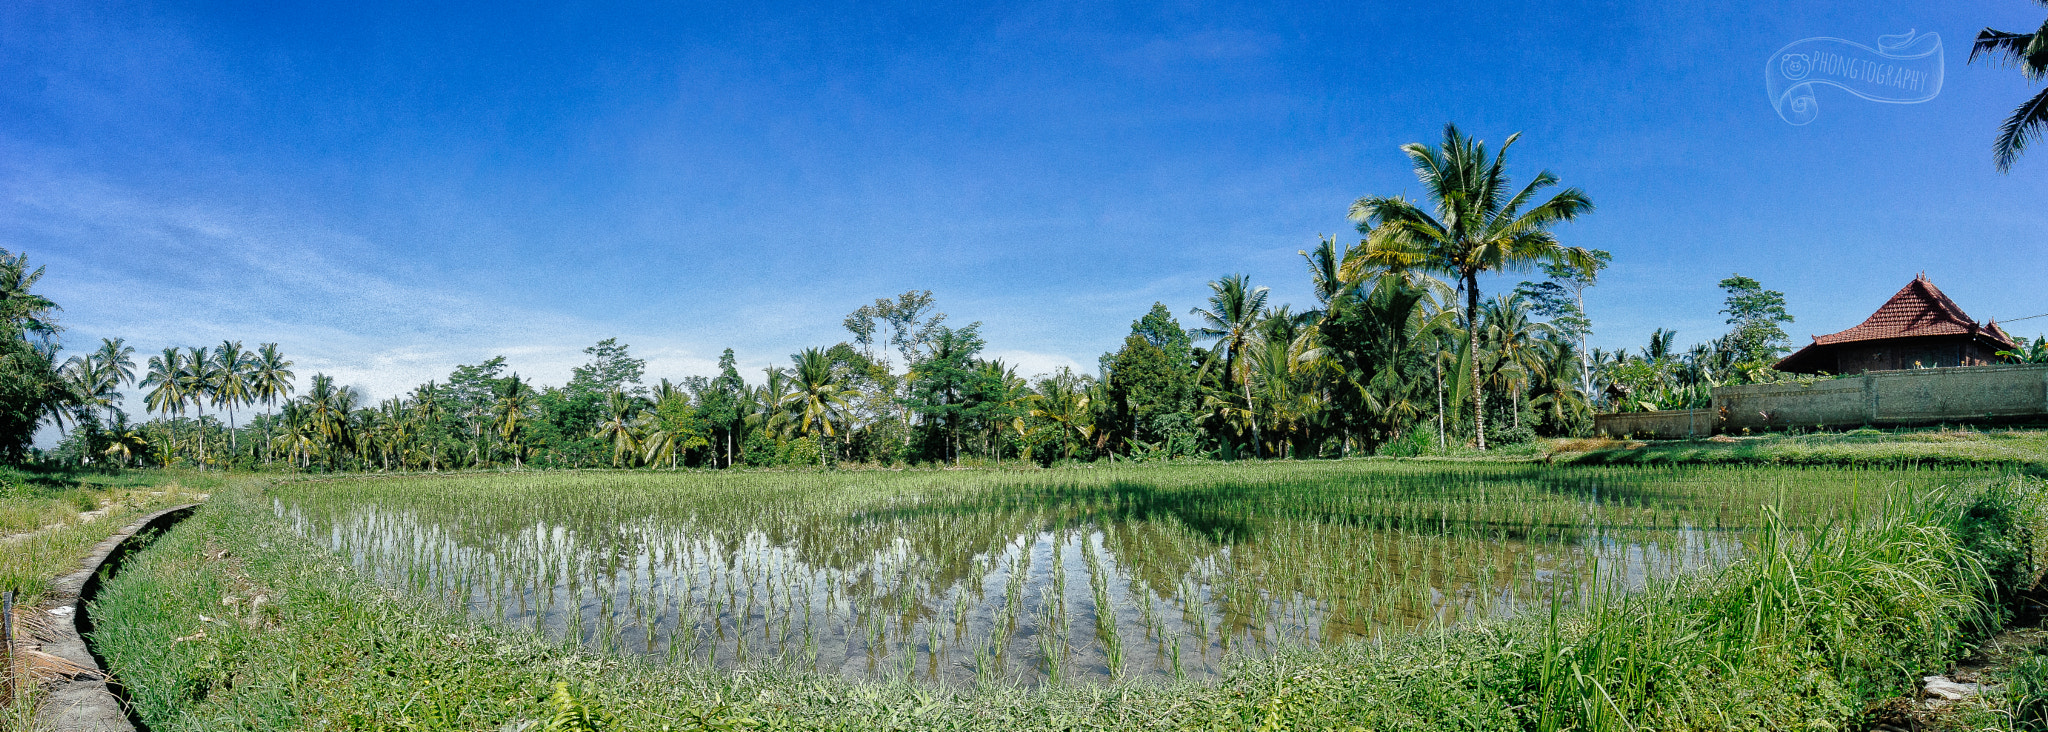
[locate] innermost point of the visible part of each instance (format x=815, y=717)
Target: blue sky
x=391, y=189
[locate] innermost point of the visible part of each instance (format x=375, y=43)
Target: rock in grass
x=1940, y=687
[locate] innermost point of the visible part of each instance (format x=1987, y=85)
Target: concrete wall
x=1886, y=398
x=1672, y=425
x=1757, y=407
x=1987, y=393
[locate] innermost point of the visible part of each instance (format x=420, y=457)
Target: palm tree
x=125, y=442
x=1662, y=345
x=395, y=430
x=1390, y=337
x=766, y=412
x=1556, y=386
x=167, y=389
x=1232, y=320
x=819, y=397
x=429, y=409
x=515, y=397
x=1513, y=338
x=618, y=427
x=1007, y=398
x=91, y=385
x=231, y=370
x=2028, y=51
x=270, y=381
x=1326, y=274
x=1061, y=407
x=199, y=386
x=116, y=361
x=1479, y=225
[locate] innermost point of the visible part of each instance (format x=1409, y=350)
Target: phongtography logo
x=1902, y=69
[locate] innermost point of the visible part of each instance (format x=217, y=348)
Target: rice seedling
x=946, y=571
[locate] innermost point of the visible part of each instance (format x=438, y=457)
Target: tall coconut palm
x=116, y=360
x=2029, y=52
x=199, y=386
x=91, y=386
x=1325, y=274
x=817, y=398
x=395, y=430
x=231, y=370
x=1232, y=320
x=270, y=381
x=1480, y=224
x=167, y=388
x=1663, y=345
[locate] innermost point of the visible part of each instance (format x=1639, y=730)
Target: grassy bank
x=2026, y=449
x=235, y=622
x=50, y=520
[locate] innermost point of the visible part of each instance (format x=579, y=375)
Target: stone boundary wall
x=1671, y=425
x=1956, y=395
x=85, y=703
x=1960, y=394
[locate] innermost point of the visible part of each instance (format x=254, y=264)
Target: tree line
x=1401, y=353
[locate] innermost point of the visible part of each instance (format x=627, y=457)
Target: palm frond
x=2002, y=48
x=2022, y=129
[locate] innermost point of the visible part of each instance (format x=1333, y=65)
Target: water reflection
x=1057, y=589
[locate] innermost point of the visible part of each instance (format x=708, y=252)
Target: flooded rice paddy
x=1044, y=577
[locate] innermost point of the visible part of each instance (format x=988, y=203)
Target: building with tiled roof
x=1918, y=328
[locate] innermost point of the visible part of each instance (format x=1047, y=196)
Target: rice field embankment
x=2025, y=450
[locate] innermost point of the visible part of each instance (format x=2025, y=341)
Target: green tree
x=32, y=385
x=430, y=408
x=1232, y=320
x=1562, y=299
x=1384, y=336
x=200, y=377
x=941, y=381
x=1513, y=348
x=679, y=428
x=472, y=398
x=819, y=397
x=1758, y=315
x=515, y=401
x=1480, y=224
x=611, y=368
x=116, y=360
x=270, y=381
x=2029, y=52
x=168, y=392
x=230, y=382
x=1060, y=415
x=91, y=386
x=718, y=403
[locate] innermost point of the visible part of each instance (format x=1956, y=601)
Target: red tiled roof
x=1917, y=310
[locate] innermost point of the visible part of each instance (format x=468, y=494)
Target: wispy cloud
x=176, y=274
